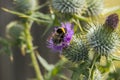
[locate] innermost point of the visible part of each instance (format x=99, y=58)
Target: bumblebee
x=58, y=36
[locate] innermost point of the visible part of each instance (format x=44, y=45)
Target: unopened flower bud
x=25, y=6
x=68, y=6
x=77, y=50
x=112, y=21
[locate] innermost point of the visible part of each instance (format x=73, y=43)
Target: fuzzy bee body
x=58, y=36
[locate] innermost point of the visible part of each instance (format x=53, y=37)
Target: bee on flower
x=61, y=37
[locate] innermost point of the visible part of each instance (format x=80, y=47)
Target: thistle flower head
x=61, y=37
x=112, y=21
x=77, y=50
x=102, y=40
x=68, y=6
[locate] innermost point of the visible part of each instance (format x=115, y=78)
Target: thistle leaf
x=45, y=64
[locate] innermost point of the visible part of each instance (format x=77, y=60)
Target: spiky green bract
x=94, y=8
x=102, y=39
x=14, y=31
x=25, y=6
x=68, y=6
x=77, y=50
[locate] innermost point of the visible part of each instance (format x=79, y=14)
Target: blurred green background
x=20, y=68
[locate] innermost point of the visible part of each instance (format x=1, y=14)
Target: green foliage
x=6, y=46
x=80, y=72
x=37, y=18
x=45, y=64
x=115, y=75
x=52, y=70
x=92, y=39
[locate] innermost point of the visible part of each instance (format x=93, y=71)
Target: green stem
x=43, y=5
x=114, y=57
x=31, y=51
x=78, y=22
x=81, y=18
x=91, y=72
x=25, y=16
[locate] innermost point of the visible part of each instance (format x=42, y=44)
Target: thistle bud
x=68, y=6
x=14, y=30
x=25, y=6
x=77, y=50
x=102, y=40
x=94, y=8
x=112, y=21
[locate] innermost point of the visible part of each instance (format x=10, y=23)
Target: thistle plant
x=77, y=50
x=103, y=38
x=80, y=39
x=87, y=48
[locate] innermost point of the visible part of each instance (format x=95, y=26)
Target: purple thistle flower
x=112, y=21
x=61, y=37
